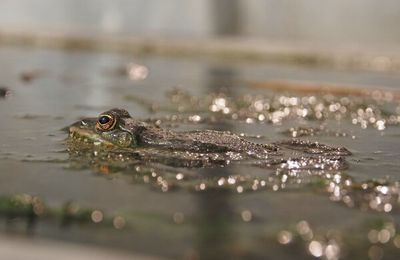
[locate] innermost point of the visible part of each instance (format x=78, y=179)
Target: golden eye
x=106, y=122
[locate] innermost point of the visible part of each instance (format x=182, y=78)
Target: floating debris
x=322, y=130
x=137, y=72
x=29, y=76
x=134, y=71
x=246, y=215
x=4, y=92
x=376, y=111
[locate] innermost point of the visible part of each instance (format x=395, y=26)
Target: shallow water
x=300, y=216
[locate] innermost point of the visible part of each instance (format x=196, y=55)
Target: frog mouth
x=86, y=135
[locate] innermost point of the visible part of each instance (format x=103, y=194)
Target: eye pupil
x=104, y=120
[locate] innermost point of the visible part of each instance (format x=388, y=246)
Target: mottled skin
x=197, y=148
x=146, y=135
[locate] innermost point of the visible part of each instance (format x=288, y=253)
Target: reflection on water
x=214, y=206
x=214, y=225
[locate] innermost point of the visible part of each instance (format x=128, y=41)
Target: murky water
x=236, y=211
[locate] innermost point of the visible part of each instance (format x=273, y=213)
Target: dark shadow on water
x=215, y=232
x=215, y=236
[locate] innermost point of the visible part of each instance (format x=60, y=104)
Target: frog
x=116, y=143
x=119, y=132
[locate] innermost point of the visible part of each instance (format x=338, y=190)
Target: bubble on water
x=136, y=71
x=285, y=237
x=178, y=217
x=261, y=117
x=380, y=125
x=332, y=251
x=258, y=105
x=303, y=228
x=373, y=236
x=375, y=252
x=249, y=120
x=396, y=241
x=97, y=216
x=119, y=222
x=221, y=181
x=195, y=118
x=231, y=180
x=384, y=236
x=246, y=215
x=315, y=248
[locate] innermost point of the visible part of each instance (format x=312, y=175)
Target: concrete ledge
x=224, y=48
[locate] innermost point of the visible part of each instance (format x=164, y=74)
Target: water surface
x=128, y=209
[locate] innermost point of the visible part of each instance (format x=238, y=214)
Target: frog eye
x=106, y=122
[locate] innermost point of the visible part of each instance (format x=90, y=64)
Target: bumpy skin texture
x=206, y=141
x=206, y=147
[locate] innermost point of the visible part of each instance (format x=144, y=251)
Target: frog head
x=109, y=128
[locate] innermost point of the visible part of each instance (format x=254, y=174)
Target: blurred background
x=331, y=22
x=309, y=27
